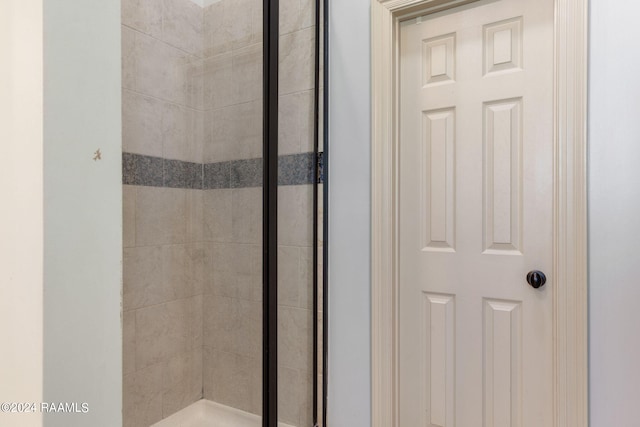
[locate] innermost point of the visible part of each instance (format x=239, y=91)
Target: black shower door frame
x=271, y=32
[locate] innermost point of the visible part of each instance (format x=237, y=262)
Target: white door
x=475, y=216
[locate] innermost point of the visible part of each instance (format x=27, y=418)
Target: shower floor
x=205, y=413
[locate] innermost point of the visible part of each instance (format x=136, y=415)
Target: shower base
x=205, y=413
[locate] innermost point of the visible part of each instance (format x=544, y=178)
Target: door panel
x=475, y=215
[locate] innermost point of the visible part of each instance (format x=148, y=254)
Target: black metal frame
x=325, y=217
x=316, y=111
x=270, y=216
x=271, y=28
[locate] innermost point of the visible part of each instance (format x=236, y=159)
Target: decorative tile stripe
x=137, y=169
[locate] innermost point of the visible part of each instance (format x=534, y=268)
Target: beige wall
x=21, y=218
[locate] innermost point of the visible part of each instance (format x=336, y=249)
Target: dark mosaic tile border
x=293, y=169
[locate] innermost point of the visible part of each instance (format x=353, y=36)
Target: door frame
x=570, y=327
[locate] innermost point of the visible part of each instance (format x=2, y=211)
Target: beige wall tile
x=233, y=380
x=142, y=277
x=164, y=331
x=195, y=216
x=295, y=120
x=306, y=279
x=161, y=216
x=141, y=124
x=143, y=15
x=234, y=133
x=218, y=82
x=182, y=25
x=128, y=58
x=128, y=342
x=289, y=286
x=183, y=270
x=142, y=397
x=246, y=213
x=306, y=100
x=197, y=321
x=296, y=15
x=129, y=215
x=166, y=72
x=217, y=38
x=182, y=133
x=182, y=381
x=295, y=207
x=257, y=20
x=235, y=271
x=295, y=338
x=230, y=24
x=233, y=325
x=217, y=215
x=289, y=124
x=297, y=61
x=294, y=397
x=247, y=73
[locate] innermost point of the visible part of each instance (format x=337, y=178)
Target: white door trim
x=570, y=207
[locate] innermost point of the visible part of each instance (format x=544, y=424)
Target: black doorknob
x=536, y=279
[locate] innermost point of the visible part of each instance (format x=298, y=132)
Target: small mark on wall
x=97, y=155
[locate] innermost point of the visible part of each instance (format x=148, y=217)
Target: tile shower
x=192, y=174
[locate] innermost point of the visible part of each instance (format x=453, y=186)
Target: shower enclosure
x=222, y=300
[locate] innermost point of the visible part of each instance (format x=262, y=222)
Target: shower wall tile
x=296, y=15
x=294, y=397
x=295, y=124
x=183, y=25
x=295, y=337
x=142, y=277
x=217, y=175
x=142, y=396
x=296, y=61
x=234, y=132
x=159, y=274
x=182, y=381
x=305, y=295
x=295, y=277
x=235, y=271
x=246, y=212
x=143, y=15
x=183, y=270
x=217, y=218
x=142, y=170
x=128, y=216
x=129, y=341
x=165, y=331
x=247, y=73
x=167, y=73
x=141, y=124
x=179, y=174
x=232, y=379
x=297, y=169
x=295, y=226
x=233, y=325
x=218, y=88
x=182, y=132
x=128, y=58
x=195, y=216
x=246, y=173
x=230, y=24
x=161, y=216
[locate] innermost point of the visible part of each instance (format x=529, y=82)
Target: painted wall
x=82, y=211
x=349, y=215
x=21, y=191
x=614, y=210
